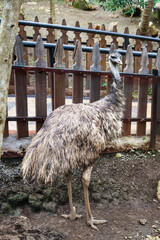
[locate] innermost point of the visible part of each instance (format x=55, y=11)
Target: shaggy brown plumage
x=74, y=136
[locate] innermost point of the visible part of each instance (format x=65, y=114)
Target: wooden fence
x=50, y=32
x=145, y=111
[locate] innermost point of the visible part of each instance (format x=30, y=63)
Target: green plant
x=113, y=5
x=150, y=91
x=135, y=95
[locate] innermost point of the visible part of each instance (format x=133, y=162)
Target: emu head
x=114, y=61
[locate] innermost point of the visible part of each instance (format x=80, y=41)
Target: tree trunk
x=8, y=31
x=144, y=24
x=52, y=11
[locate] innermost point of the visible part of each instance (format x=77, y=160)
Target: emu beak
x=119, y=62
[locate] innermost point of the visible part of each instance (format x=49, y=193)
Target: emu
x=73, y=136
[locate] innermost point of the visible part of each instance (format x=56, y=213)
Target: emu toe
x=72, y=215
x=93, y=221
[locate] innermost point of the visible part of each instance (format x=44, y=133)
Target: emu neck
x=115, y=71
x=116, y=96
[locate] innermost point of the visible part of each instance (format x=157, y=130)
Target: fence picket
x=89, y=43
x=150, y=49
x=126, y=31
x=50, y=39
x=128, y=89
x=102, y=44
x=77, y=34
x=6, y=128
x=114, y=38
x=23, y=35
x=65, y=41
x=77, y=87
x=59, y=78
x=95, y=78
x=142, y=93
x=36, y=34
x=158, y=89
x=40, y=83
x=21, y=90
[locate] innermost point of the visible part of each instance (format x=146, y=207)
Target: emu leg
x=72, y=215
x=85, y=181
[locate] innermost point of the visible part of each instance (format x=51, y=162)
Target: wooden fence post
x=128, y=89
x=36, y=34
x=90, y=43
x=158, y=89
x=40, y=83
x=77, y=34
x=77, y=88
x=125, y=45
x=50, y=39
x=154, y=108
x=21, y=90
x=59, y=78
x=95, y=79
x=23, y=35
x=137, y=47
x=102, y=44
x=6, y=128
x=114, y=38
x=65, y=41
x=142, y=93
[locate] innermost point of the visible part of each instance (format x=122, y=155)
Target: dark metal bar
x=85, y=30
x=126, y=42
x=86, y=49
x=26, y=119
x=41, y=119
x=57, y=70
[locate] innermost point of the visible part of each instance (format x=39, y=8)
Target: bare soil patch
x=122, y=190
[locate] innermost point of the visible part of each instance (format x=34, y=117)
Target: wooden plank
x=102, y=44
x=77, y=88
x=95, y=88
x=6, y=128
x=36, y=34
x=153, y=114
x=59, y=90
x=20, y=89
x=142, y=105
x=128, y=89
x=89, y=43
x=95, y=79
x=66, y=59
x=40, y=80
x=142, y=93
x=77, y=34
x=126, y=31
x=137, y=47
x=23, y=35
x=158, y=89
x=50, y=39
x=59, y=78
x=114, y=38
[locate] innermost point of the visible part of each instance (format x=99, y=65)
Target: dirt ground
x=122, y=190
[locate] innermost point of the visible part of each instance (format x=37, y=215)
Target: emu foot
x=72, y=215
x=93, y=221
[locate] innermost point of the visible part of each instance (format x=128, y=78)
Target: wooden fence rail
x=57, y=74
